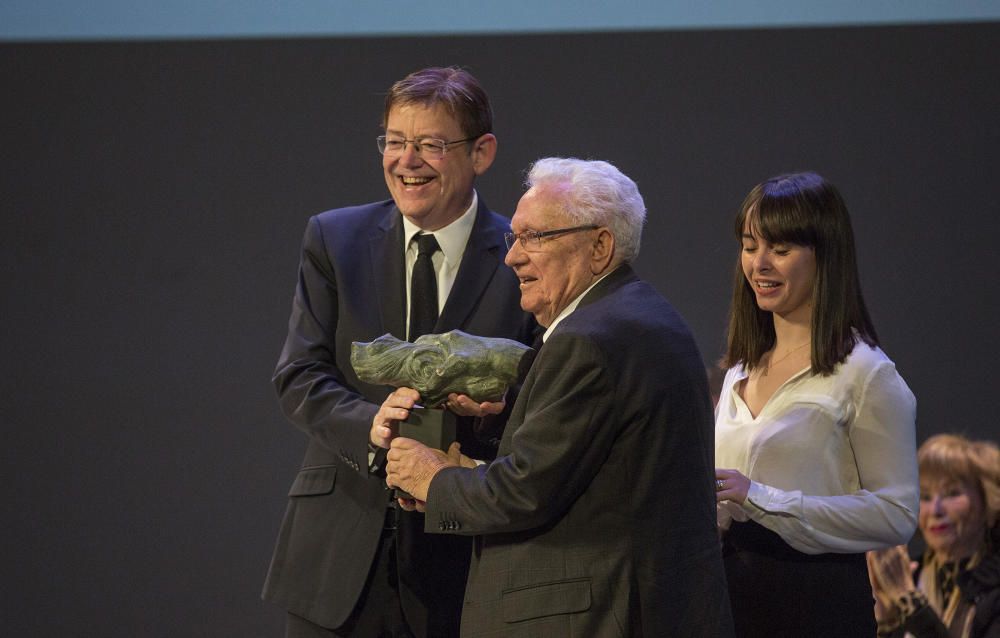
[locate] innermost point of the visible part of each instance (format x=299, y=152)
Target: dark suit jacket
x=352, y=288
x=598, y=516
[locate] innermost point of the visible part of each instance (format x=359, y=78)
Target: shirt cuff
x=758, y=496
x=373, y=451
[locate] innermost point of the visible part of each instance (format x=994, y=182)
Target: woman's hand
x=891, y=574
x=731, y=485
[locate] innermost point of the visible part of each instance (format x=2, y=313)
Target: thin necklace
x=772, y=363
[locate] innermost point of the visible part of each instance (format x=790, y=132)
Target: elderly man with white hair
x=597, y=518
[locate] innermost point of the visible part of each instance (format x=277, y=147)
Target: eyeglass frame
x=537, y=235
x=382, y=140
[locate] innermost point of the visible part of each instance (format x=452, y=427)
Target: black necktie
x=423, y=288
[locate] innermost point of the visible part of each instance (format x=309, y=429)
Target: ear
x=603, y=251
x=484, y=151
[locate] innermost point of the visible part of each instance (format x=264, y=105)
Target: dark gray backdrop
x=154, y=195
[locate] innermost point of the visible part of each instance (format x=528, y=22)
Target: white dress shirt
x=452, y=240
x=832, y=459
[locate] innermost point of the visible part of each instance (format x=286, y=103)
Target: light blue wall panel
x=126, y=19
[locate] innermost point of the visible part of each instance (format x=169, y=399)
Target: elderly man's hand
x=457, y=458
x=412, y=504
x=411, y=466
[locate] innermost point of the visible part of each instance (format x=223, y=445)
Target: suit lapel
x=483, y=255
x=616, y=279
x=389, y=281
x=621, y=276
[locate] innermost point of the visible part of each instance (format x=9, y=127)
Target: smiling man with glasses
x=427, y=148
x=348, y=563
x=597, y=517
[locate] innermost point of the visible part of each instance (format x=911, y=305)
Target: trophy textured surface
x=437, y=365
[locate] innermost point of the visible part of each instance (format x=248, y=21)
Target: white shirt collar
x=568, y=310
x=452, y=238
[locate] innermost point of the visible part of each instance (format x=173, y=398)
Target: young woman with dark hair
x=815, y=442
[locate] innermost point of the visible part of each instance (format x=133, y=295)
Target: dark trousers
x=378, y=613
x=776, y=590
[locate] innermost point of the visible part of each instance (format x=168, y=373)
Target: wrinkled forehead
x=432, y=117
x=542, y=207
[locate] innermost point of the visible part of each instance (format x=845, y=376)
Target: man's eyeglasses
x=531, y=240
x=425, y=147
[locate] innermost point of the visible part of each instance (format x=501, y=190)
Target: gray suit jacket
x=352, y=288
x=598, y=516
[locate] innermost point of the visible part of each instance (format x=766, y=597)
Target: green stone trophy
x=435, y=366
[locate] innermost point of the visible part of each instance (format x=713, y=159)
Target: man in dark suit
x=597, y=518
x=346, y=562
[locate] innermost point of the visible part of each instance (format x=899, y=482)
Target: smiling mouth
x=414, y=181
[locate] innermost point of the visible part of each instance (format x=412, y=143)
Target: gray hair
x=594, y=192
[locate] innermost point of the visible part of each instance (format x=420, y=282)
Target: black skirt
x=777, y=591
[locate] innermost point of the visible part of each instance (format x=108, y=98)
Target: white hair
x=594, y=192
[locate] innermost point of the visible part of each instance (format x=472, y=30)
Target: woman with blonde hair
x=955, y=592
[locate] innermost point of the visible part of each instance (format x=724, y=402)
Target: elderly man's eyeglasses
x=531, y=240
x=425, y=147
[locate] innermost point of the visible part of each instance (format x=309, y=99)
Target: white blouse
x=832, y=459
